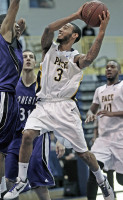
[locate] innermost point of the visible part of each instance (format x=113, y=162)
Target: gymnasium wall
x=38, y=18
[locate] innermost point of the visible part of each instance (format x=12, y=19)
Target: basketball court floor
x=57, y=194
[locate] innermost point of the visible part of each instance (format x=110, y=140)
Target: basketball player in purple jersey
x=39, y=173
x=11, y=62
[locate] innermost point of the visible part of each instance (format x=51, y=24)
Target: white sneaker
x=3, y=185
x=107, y=191
x=16, y=189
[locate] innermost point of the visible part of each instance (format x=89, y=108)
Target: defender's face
x=65, y=33
x=111, y=70
x=29, y=61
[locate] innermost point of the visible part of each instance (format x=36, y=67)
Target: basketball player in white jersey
x=56, y=110
x=108, y=147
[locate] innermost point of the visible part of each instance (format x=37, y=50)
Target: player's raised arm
x=48, y=34
x=87, y=59
x=7, y=25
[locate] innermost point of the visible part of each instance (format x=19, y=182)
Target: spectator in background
x=90, y=32
x=22, y=39
x=3, y=6
x=42, y=3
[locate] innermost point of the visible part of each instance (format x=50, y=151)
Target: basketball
x=91, y=11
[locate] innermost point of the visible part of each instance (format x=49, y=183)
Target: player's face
x=65, y=33
x=29, y=61
x=112, y=71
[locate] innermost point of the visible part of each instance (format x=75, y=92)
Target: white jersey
x=110, y=98
x=61, y=77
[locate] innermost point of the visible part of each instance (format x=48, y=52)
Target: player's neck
x=112, y=82
x=65, y=47
x=28, y=78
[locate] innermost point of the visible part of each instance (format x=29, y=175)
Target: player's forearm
x=117, y=114
x=7, y=24
x=61, y=22
x=94, y=50
x=93, y=109
x=48, y=34
x=92, y=53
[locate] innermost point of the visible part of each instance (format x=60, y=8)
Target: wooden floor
x=55, y=194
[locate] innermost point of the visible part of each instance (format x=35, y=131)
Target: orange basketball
x=91, y=11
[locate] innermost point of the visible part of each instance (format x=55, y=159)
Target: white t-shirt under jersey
x=110, y=98
x=60, y=75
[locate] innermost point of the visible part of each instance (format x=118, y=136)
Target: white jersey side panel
x=60, y=75
x=110, y=98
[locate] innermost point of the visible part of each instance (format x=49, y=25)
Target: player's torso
x=11, y=62
x=60, y=75
x=111, y=99
x=26, y=98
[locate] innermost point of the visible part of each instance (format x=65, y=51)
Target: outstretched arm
x=7, y=25
x=86, y=60
x=48, y=34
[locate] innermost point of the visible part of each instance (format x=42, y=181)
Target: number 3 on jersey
x=59, y=75
x=23, y=114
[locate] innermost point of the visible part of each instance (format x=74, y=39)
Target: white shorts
x=110, y=153
x=63, y=118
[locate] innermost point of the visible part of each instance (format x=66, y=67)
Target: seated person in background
x=88, y=31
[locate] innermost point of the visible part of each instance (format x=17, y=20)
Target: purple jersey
x=39, y=172
x=11, y=63
x=26, y=98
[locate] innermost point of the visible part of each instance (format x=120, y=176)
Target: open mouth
x=59, y=34
x=109, y=74
x=28, y=63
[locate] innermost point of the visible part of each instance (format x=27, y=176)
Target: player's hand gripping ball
x=91, y=11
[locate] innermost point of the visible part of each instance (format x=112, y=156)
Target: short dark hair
x=2, y=17
x=118, y=64
x=76, y=29
x=31, y=52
